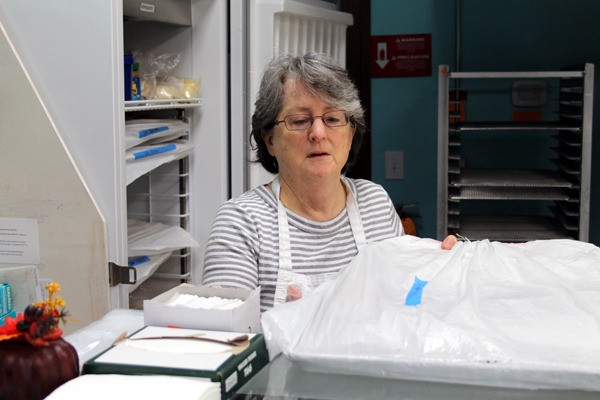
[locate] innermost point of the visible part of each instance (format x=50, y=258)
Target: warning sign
x=401, y=55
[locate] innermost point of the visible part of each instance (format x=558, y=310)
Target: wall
x=404, y=110
x=502, y=36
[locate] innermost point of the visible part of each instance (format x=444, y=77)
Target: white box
x=244, y=318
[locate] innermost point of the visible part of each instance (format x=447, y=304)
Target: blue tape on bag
x=152, y=131
x=415, y=293
x=137, y=261
x=151, y=152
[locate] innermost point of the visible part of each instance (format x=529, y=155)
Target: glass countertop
x=281, y=379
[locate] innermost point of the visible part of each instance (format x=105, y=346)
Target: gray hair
x=323, y=77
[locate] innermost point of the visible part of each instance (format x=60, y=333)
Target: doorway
x=358, y=38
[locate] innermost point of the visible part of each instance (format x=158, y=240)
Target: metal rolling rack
x=566, y=186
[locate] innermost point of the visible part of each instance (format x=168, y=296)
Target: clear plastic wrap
x=98, y=336
x=159, y=80
x=523, y=316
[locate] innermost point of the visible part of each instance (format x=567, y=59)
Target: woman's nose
x=317, y=129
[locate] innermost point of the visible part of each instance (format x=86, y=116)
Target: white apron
x=285, y=275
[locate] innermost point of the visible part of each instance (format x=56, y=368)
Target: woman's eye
x=332, y=120
x=299, y=121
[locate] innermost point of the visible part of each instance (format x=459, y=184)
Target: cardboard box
x=185, y=352
x=245, y=318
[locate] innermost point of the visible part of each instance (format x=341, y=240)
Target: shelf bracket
x=118, y=274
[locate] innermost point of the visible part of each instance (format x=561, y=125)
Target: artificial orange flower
x=39, y=323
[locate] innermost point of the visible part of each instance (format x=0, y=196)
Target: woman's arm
x=231, y=257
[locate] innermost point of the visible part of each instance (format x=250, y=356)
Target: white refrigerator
x=74, y=52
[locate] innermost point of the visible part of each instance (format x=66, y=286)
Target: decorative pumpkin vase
x=32, y=372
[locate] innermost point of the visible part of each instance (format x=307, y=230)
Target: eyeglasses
x=300, y=122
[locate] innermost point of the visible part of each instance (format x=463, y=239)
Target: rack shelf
x=510, y=178
x=511, y=228
x=518, y=126
x=524, y=194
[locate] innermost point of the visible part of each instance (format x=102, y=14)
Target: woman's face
x=318, y=151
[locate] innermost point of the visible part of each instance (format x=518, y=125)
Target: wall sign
x=401, y=55
x=19, y=241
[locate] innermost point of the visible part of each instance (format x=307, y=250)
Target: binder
x=184, y=352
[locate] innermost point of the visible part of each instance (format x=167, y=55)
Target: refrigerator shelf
x=178, y=277
x=147, y=105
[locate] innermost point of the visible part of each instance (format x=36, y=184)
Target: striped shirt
x=243, y=246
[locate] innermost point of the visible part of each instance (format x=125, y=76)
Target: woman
x=302, y=228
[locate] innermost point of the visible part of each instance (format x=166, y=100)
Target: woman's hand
x=449, y=242
x=294, y=292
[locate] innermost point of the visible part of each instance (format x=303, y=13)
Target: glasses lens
x=335, y=118
x=298, y=122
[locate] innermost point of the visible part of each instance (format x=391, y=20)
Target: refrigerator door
x=272, y=27
x=74, y=54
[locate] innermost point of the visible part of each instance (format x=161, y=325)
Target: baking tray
x=511, y=178
x=511, y=126
x=504, y=228
x=509, y=193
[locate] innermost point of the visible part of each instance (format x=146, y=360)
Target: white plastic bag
x=138, y=131
x=152, y=238
x=153, y=156
x=524, y=316
x=92, y=339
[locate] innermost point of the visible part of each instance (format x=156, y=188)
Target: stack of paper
x=159, y=387
x=229, y=358
x=194, y=301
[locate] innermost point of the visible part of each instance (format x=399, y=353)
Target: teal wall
x=495, y=36
x=404, y=110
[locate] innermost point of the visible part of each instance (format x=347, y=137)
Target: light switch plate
x=394, y=165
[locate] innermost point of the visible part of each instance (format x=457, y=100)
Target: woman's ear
x=267, y=137
x=352, y=133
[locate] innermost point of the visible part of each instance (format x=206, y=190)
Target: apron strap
x=285, y=276
x=358, y=229
x=285, y=247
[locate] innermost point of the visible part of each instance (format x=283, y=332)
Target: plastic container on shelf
x=136, y=86
x=128, y=76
